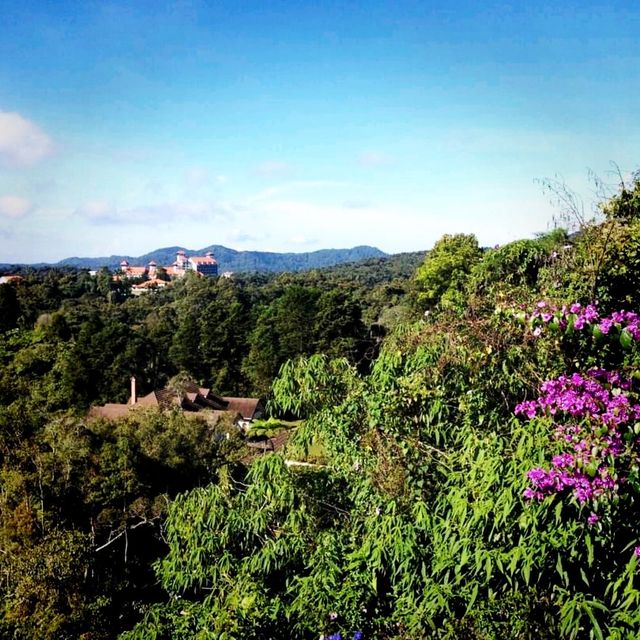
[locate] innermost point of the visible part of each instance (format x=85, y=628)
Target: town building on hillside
x=153, y=284
x=127, y=271
x=205, y=265
x=10, y=278
x=191, y=398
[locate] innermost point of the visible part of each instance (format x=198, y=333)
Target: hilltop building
x=206, y=266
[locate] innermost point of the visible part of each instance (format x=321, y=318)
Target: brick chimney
x=134, y=398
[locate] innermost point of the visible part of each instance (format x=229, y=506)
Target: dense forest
x=463, y=459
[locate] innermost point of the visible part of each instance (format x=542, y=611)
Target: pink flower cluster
x=579, y=317
x=594, y=418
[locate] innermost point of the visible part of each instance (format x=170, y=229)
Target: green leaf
x=626, y=339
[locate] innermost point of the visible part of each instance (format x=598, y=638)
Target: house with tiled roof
x=153, y=284
x=10, y=278
x=249, y=408
x=190, y=398
x=127, y=271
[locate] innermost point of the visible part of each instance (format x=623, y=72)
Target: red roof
x=246, y=407
x=193, y=398
x=150, y=284
x=203, y=260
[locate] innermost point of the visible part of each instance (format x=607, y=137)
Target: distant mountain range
x=231, y=260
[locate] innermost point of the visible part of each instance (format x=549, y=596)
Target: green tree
x=441, y=278
x=9, y=307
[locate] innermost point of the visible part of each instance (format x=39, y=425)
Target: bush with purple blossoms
x=595, y=418
x=624, y=325
x=595, y=414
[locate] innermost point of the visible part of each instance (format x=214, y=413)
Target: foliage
x=441, y=277
x=81, y=512
x=410, y=502
x=438, y=517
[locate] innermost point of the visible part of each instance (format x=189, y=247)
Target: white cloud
x=22, y=142
x=299, y=185
x=485, y=140
x=357, y=204
x=302, y=240
x=374, y=159
x=14, y=206
x=168, y=213
x=391, y=226
x=273, y=168
x=198, y=177
x=101, y=210
x=238, y=235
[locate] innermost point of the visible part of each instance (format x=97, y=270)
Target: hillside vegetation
x=232, y=260
x=478, y=425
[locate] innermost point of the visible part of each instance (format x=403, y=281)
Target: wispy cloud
x=198, y=177
x=274, y=168
x=485, y=140
x=238, y=235
x=168, y=213
x=302, y=240
x=14, y=206
x=357, y=204
x=100, y=210
x=299, y=185
x=374, y=159
x=22, y=142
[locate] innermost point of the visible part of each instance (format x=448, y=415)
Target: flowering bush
x=595, y=415
x=576, y=317
x=596, y=421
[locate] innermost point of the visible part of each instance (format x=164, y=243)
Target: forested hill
x=414, y=478
x=239, y=261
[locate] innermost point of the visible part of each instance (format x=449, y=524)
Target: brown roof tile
x=202, y=260
x=247, y=407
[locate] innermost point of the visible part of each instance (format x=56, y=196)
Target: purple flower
x=528, y=407
x=590, y=313
x=358, y=635
x=636, y=552
x=592, y=519
x=605, y=325
x=563, y=460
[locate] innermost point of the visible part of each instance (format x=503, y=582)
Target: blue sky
x=294, y=126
